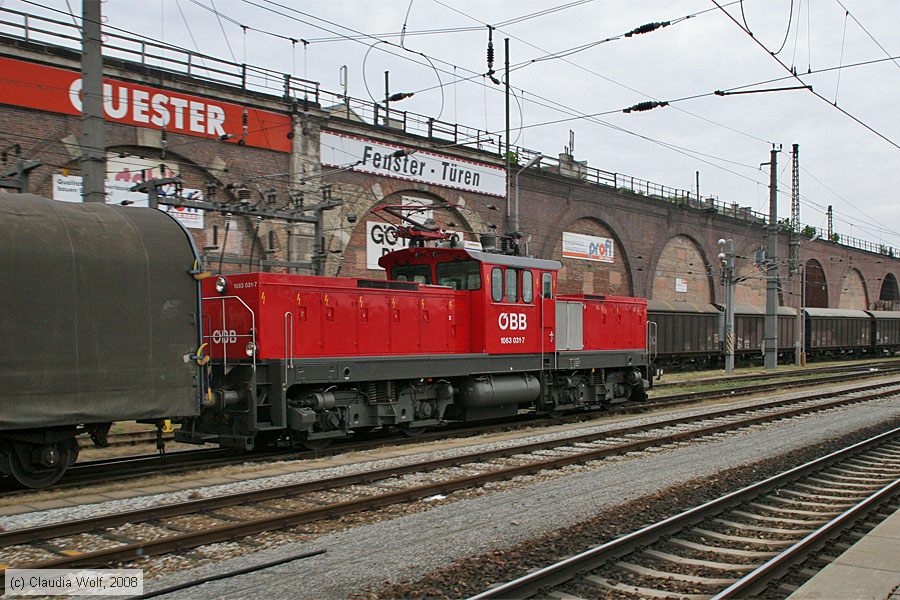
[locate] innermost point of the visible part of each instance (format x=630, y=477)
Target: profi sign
x=58, y=90
x=380, y=158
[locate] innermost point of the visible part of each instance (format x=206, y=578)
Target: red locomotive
x=452, y=335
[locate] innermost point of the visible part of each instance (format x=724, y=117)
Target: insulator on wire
x=647, y=28
x=642, y=106
x=490, y=49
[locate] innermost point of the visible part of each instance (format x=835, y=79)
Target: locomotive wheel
x=32, y=474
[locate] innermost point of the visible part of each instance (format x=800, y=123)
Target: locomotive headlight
x=251, y=348
x=221, y=284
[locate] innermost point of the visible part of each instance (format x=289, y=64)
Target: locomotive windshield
x=460, y=275
x=414, y=273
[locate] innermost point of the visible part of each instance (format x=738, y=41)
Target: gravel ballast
x=409, y=547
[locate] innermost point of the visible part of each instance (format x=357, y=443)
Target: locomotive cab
x=512, y=297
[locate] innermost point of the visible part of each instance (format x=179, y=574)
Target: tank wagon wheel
x=36, y=466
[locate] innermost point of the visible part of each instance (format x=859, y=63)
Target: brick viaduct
x=665, y=248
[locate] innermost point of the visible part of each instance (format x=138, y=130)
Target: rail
x=158, y=55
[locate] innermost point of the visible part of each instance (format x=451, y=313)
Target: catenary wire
x=812, y=91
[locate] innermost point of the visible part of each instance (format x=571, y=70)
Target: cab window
x=512, y=285
x=547, y=285
x=527, y=287
x=415, y=273
x=497, y=284
x=460, y=275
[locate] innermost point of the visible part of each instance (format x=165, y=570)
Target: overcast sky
x=725, y=138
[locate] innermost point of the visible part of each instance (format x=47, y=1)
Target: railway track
x=842, y=368
x=736, y=546
x=114, y=469
x=107, y=539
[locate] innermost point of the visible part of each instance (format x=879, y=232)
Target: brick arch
x=353, y=261
x=854, y=293
x=889, y=294
x=594, y=277
x=816, y=292
x=682, y=257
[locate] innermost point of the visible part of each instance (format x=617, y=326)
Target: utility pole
x=795, y=246
x=830, y=222
x=93, y=141
x=387, y=98
x=771, y=333
x=506, y=154
x=795, y=209
x=726, y=260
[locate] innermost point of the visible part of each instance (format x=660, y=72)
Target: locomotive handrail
x=288, y=342
x=224, y=339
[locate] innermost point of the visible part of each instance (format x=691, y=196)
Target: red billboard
x=57, y=90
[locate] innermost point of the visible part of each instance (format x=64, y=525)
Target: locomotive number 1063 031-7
x=513, y=340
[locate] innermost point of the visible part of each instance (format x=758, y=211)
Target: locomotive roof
x=491, y=258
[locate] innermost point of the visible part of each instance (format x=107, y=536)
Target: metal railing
x=158, y=55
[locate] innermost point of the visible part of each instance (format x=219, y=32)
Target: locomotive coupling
x=220, y=399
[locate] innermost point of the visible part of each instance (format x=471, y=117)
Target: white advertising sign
x=121, y=174
x=380, y=158
x=588, y=247
x=67, y=188
x=681, y=284
x=381, y=238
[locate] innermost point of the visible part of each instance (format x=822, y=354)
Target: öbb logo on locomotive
x=513, y=321
x=224, y=336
